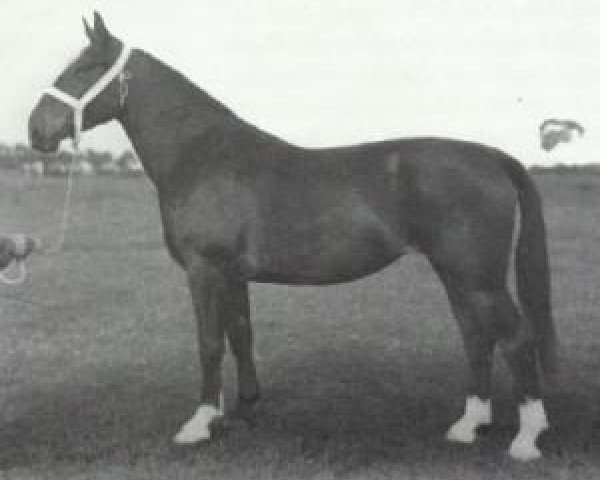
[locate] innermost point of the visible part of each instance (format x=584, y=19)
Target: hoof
x=524, y=451
x=461, y=433
x=196, y=429
x=478, y=412
x=188, y=436
x=532, y=422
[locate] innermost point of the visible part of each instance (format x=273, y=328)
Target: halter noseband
x=79, y=104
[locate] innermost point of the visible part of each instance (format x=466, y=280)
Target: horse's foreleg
x=239, y=333
x=209, y=291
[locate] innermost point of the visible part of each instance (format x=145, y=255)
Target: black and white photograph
x=291, y=239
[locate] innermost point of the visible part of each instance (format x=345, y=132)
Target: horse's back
x=326, y=215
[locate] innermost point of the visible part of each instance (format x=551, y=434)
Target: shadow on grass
x=347, y=414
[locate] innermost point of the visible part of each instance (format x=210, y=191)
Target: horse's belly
x=323, y=260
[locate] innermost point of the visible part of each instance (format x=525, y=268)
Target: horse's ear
x=89, y=31
x=100, y=30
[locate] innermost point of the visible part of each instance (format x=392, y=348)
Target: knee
x=499, y=316
x=482, y=299
x=239, y=332
x=491, y=302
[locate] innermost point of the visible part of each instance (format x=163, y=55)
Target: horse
x=240, y=205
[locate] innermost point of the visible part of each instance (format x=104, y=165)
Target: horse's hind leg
x=518, y=346
x=487, y=316
x=479, y=337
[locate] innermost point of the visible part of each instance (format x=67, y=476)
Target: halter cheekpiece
x=78, y=104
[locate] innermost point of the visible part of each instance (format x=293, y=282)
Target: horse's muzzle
x=49, y=124
x=41, y=142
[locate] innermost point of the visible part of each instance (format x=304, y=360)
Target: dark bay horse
x=239, y=205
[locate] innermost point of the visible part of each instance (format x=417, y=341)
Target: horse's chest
x=209, y=219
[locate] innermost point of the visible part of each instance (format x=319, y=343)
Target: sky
x=334, y=72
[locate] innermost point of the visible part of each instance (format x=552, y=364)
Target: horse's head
x=55, y=116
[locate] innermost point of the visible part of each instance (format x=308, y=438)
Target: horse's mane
x=195, y=94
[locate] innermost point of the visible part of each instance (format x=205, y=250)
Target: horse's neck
x=163, y=112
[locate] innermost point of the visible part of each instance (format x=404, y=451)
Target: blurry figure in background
x=555, y=134
x=554, y=131
x=15, y=249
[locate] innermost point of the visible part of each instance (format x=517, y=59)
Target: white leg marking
x=532, y=422
x=477, y=412
x=196, y=428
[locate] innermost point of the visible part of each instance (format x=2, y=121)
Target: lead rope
x=64, y=224
x=19, y=263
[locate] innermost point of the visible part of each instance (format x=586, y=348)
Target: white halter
x=79, y=104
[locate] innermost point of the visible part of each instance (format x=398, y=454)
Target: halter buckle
x=123, y=76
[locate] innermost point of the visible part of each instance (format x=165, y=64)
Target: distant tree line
x=563, y=169
x=18, y=155
x=13, y=156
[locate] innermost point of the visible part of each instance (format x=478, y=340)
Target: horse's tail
x=531, y=266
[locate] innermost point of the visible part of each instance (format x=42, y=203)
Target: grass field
x=98, y=362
